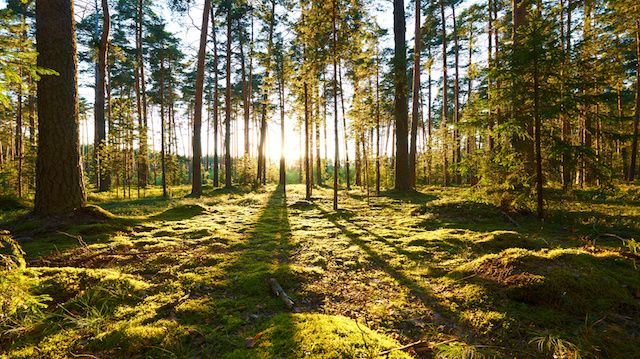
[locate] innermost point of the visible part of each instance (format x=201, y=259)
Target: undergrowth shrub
x=18, y=305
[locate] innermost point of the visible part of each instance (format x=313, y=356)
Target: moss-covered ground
x=187, y=277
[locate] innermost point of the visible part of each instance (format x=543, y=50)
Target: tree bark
x=59, y=182
x=336, y=159
x=141, y=102
x=456, y=97
x=445, y=96
x=636, y=120
x=262, y=155
x=227, y=124
x=100, y=137
x=216, y=104
x=196, y=179
x=415, y=99
x=400, y=98
x=344, y=125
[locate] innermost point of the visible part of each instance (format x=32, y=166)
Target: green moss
x=181, y=212
x=317, y=336
x=191, y=281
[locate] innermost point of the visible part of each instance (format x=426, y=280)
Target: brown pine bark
x=336, y=156
x=400, y=113
x=141, y=103
x=100, y=135
x=445, y=97
x=456, y=97
x=216, y=105
x=59, y=182
x=415, y=108
x=227, y=123
x=344, y=125
x=636, y=120
x=262, y=155
x=196, y=179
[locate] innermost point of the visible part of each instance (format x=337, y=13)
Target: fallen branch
x=278, y=291
x=513, y=221
x=404, y=347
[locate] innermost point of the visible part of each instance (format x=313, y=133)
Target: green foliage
x=556, y=346
x=188, y=277
x=18, y=304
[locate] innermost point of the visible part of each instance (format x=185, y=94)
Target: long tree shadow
x=426, y=295
x=242, y=303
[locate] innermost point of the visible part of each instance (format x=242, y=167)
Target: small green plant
x=458, y=350
x=632, y=245
x=18, y=306
x=558, y=347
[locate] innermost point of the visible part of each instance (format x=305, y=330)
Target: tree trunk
x=141, y=102
x=18, y=137
x=216, y=104
x=262, y=155
x=415, y=108
x=101, y=153
x=227, y=124
x=283, y=169
x=537, y=140
x=163, y=150
x=196, y=179
x=634, y=145
x=377, y=123
x=59, y=183
x=336, y=156
x=445, y=96
x=344, y=125
x=400, y=98
x=318, y=154
x=456, y=98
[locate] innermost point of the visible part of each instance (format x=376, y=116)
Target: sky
x=186, y=28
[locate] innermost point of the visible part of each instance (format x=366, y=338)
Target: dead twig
x=278, y=291
x=404, y=347
x=513, y=221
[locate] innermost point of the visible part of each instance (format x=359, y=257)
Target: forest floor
x=442, y=269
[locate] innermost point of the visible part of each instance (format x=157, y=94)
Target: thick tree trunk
x=59, y=183
x=400, y=98
x=415, y=99
x=196, y=179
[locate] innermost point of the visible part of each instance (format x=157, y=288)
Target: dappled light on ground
x=440, y=271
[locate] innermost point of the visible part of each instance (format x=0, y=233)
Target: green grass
x=184, y=277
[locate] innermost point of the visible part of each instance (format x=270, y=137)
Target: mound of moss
x=317, y=336
x=570, y=280
x=181, y=212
